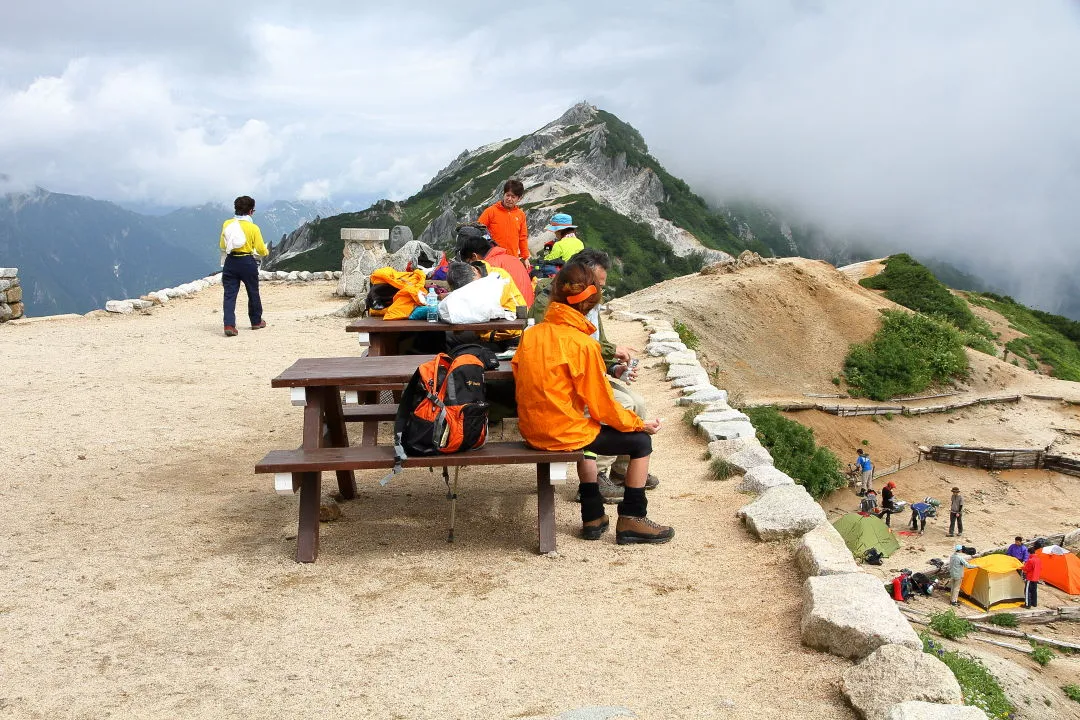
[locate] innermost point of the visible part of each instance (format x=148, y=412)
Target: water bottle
x=432, y=305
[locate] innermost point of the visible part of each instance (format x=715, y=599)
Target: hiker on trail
x=866, y=470
x=566, y=244
x=559, y=372
x=506, y=222
x=241, y=240
x=1032, y=574
x=957, y=563
x=919, y=512
x=1018, y=550
x=474, y=243
x=956, y=512
x=887, y=504
x=611, y=471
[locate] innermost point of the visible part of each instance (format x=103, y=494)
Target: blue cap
x=560, y=221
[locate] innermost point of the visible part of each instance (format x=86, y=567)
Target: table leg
x=307, y=534
x=545, y=508
x=370, y=433
x=338, y=436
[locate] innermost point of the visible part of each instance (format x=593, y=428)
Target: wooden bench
x=302, y=469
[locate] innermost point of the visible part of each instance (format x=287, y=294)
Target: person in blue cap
x=566, y=243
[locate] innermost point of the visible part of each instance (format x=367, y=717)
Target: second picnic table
x=383, y=336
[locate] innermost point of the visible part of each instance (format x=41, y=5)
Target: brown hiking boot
x=593, y=529
x=632, y=530
x=230, y=330
x=259, y=325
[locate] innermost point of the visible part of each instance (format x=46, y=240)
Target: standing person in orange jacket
x=506, y=221
x=559, y=373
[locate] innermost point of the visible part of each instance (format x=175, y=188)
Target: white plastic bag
x=479, y=301
x=234, y=236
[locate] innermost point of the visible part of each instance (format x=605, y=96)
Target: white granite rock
x=721, y=416
x=304, y=275
x=680, y=371
x=918, y=710
x=292, y=276
x=214, y=279
x=688, y=357
x=822, y=552
x=161, y=296
x=664, y=348
x=628, y=316
x=707, y=394
x=749, y=457
x=851, y=615
x=140, y=304
x=688, y=380
x=9, y=272
x=781, y=512
x=282, y=275
x=893, y=674
x=726, y=430
x=124, y=307
x=727, y=448
x=762, y=477
x=665, y=336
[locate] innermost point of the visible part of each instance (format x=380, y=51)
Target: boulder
x=141, y=304
x=327, y=275
x=760, y=478
x=784, y=511
x=304, y=275
x=13, y=294
x=8, y=283
x=688, y=357
x=705, y=395
x=680, y=371
x=656, y=349
x=727, y=448
x=726, y=430
x=720, y=416
x=124, y=307
x=282, y=275
x=6, y=313
x=749, y=457
x=161, y=296
x=665, y=336
x=293, y=276
x=400, y=235
x=850, y=615
x=893, y=674
x=918, y=710
x=822, y=552
x=8, y=273
x=699, y=378
x=215, y=279
x=657, y=326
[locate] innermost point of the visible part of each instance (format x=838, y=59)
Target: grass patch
x=1072, y=691
x=1041, y=654
x=721, y=469
x=794, y=452
x=909, y=283
x=691, y=412
x=687, y=335
x=949, y=625
x=977, y=685
x=1051, y=339
x=1003, y=620
x=908, y=354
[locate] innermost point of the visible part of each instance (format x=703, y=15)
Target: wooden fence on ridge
x=1003, y=459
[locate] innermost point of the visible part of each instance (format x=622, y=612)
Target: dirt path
x=149, y=572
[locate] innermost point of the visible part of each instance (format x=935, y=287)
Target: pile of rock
x=11, y=305
x=845, y=611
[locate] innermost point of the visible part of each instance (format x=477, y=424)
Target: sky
x=945, y=127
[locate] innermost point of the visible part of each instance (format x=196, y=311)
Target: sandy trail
x=149, y=571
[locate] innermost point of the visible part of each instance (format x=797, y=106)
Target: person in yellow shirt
x=241, y=240
x=558, y=374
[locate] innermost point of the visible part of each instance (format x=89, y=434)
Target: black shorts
x=613, y=442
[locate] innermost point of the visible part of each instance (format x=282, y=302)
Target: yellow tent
x=994, y=580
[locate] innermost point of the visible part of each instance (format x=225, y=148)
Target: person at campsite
x=1018, y=549
x=957, y=564
x=887, y=504
x=566, y=244
x=559, y=373
x=919, y=511
x=956, y=513
x=506, y=222
x=241, y=240
x=1032, y=571
x=474, y=243
x=611, y=471
x=869, y=504
x=866, y=470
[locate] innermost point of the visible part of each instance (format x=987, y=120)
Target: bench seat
x=386, y=412
x=302, y=470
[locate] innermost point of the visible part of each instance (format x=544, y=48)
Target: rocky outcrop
x=893, y=674
x=851, y=616
x=918, y=710
x=823, y=552
x=11, y=295
x=785, y=511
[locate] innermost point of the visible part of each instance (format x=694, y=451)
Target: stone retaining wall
x=11, y=298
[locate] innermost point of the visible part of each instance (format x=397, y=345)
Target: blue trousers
x=241, y=269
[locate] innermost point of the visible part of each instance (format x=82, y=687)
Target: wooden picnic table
x=383, y=336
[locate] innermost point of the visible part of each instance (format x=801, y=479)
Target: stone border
x=845, y=611
x=161, y=297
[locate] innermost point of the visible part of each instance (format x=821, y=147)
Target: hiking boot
x=593, y=529
x=259, y=325
x=230, y=330
x=633, y=530
x=611, y=492
x=651, y=480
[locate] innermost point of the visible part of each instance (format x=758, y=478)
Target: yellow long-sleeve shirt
x=254, y=244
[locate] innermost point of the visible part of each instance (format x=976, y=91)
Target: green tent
x=862, y=532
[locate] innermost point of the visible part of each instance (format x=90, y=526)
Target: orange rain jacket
x=508, y=228
x=409, y=285
x=558, y=372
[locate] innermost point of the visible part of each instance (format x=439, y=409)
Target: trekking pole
x=452, y=496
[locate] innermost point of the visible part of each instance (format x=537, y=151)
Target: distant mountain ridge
x=74, y=253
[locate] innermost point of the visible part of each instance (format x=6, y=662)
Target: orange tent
x=1061, y=569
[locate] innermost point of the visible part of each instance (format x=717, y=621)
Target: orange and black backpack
x=443, y=408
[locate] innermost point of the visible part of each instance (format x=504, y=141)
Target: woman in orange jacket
x=558, y=374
